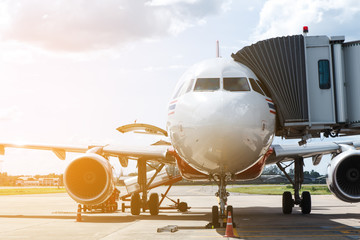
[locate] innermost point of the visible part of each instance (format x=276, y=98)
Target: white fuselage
x=220, y=129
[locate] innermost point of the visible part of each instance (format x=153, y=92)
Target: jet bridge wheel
x=154, y=204
x=135, y=204
x=287, y=203
x=183, y=207
x=305, y=202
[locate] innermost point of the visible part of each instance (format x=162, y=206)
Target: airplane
x=221, y=127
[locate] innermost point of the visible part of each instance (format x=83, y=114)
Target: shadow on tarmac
x=251, y=222
x=271, y=223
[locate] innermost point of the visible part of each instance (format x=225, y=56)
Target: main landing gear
x=139, y=199
x=305, y=200
x=220, y=212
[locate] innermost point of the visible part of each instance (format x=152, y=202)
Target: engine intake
x=89, y=179
x=344, y=176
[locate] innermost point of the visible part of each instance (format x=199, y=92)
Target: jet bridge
x=313, y=80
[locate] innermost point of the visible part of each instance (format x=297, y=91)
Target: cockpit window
x=191, y=83
x=207, y=84
x=265, y=90
x=178, y=91
x=256, y=87
x=236, y=84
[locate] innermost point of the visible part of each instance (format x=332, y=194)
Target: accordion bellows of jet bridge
x=312, y=80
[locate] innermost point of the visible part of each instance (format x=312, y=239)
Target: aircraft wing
x=155, y=152
x=285, y=152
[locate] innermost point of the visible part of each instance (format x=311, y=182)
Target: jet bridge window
x=207, y=84
x=256, y=87
x=236, y=84
x=324, y=74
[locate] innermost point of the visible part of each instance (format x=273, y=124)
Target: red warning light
x=305, y=29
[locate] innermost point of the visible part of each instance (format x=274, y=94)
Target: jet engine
x=344, y=176
x=89, y=179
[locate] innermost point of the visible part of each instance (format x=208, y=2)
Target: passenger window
x=255, y=87
x=207, y=84
x=236, y=84
x=265, y=90
x=324, y=74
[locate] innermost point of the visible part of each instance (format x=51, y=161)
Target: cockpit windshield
x=236, y=84
x=207, y=84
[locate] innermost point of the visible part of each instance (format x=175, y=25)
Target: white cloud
x=283, y=17
x=82, y=25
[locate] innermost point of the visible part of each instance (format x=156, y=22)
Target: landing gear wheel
x=123, y=207
x=230, y=209
x=154, y=204
x=287, y=203
x=305, y=202
x=183, y=207
x=135, y=204
x=215, y=216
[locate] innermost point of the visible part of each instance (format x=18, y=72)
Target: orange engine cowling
x=89, y=179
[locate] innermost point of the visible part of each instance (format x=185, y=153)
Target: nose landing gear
x=219, y=213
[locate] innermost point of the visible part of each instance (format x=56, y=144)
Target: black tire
x=135, y=204
x=305, y=202
x=183, y=207
x=287, y=203
x=230, y=209
x=215, y=216
x=154, y=204
x=123, y=207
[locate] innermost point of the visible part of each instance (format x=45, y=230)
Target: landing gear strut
x=139, y=198
x=220, y=212
x=305, y=200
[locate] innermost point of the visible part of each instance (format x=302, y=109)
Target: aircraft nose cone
x=225, y=134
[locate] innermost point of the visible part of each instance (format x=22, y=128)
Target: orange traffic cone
x=78, y=214
x=229, y=232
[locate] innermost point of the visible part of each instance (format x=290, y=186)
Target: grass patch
x=24, y=191
x=279, y=189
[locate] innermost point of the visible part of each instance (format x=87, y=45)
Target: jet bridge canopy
x=280, y=65
x=306, y=77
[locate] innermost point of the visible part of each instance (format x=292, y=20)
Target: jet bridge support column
x=339, y=78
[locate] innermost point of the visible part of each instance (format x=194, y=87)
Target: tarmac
x=52, y=216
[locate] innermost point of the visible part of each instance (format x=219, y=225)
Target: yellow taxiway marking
x=236, y=233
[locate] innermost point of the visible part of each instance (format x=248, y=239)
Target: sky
x=71, y=72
